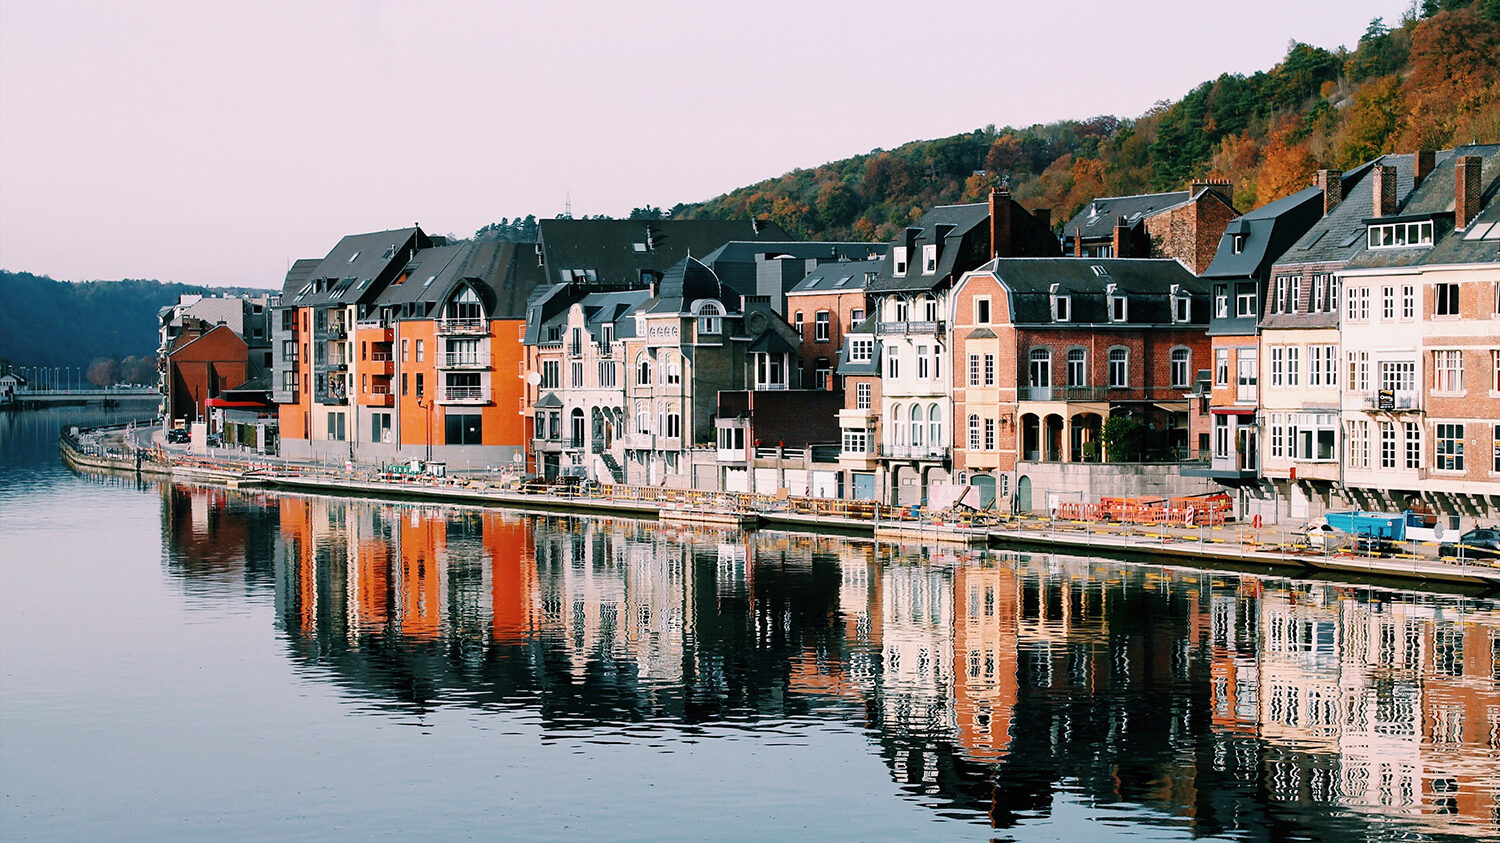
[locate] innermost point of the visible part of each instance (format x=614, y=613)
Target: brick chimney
x=1220, y=186
x=1383, y=182
x=1331, y=182
x=1425, y=160
x=1121, y=240
x=1466, y=189
x=1000, y=228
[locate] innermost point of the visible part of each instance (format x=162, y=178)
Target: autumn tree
x=104, y=371
x=1287, y=167
x=1372, y=122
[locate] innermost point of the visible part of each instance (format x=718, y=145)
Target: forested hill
x=58, y=323
x=1429, y=81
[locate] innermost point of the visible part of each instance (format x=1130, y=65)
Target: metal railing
x=1397, y=399
x=915, y=452
x=897, y=328
x=1100, y=393
x=463, y=326
x=465, y=394
x=466, y=361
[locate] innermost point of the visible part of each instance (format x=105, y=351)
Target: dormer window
x=1237, y=243
x=1396, y=235
x=710, y=318
x=1182, y=305
x=1100, y=271
x=898, y=254
x=929, y=259
x=1118, y=306
x=1062, y=305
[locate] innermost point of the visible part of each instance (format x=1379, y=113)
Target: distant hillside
x=59, y=323
x=1430, y=81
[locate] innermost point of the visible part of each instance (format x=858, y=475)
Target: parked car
x=1479, y=543
x=178, y=436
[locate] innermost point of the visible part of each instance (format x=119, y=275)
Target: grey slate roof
x=1097, y=219
x=496, y=269
x=688, y=281
x=748, y=250
x=618, y=250
x=964, y=219
x=1145, y=282
x=1269, y=230
x=1435, y=197
x=863, y=367
x=838, y=277
x=296, y=276
x=358, y=267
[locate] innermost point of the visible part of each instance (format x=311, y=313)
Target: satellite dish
x=534, y=378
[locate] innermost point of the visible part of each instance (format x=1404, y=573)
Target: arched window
x=710, y=317
x=1119, y=367
x=465, y=306
x=973, y=433
x=1041, y=368
x=576, y=431
x=934, y=427
x=1182, y=366
x=671, y=422
x=916, y=425
x=642, y=418
x=1078, y=372
x=671, y=368
x=898, y=426
x=643, y=369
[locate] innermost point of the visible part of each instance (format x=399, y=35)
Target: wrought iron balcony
x=463, y=327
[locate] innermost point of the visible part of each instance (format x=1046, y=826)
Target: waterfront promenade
x=1279, y=548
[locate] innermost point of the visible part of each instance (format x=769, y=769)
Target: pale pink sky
x=212, y=142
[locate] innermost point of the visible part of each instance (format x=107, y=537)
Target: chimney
x=1043, y=217
x=1425, y=160
x=1000, y=231
x=1121, y=239
x=1383, y=184
x=1331, y=182
x=1219, y=186
x=1465, y=191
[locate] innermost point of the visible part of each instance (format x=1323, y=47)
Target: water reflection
x=994, y=687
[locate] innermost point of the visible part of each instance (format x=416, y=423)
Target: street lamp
x=428, y=436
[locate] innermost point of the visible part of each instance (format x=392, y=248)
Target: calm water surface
x=181, y=661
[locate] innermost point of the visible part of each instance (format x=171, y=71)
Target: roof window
x=354, y=257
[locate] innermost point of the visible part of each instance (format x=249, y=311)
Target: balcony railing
x=465, y=395
x=380, y=389
x=330, y=331
x=466, y=361
x=914, y=452
x=1101, y=393
x=1393, y=399
x=771, y=387
x=897, y=328
x=463, y=326
x=382, y=356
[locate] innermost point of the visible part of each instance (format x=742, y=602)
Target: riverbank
x=1235, y=546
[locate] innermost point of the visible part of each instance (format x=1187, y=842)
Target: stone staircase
x=616, y=473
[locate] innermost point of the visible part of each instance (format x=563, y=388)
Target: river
x=179, y=661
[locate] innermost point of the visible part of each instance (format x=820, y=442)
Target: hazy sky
x=213, y=142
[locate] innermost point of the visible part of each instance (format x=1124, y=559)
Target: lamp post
x=427, y=405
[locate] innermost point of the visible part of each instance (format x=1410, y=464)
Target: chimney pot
x=1466, y=189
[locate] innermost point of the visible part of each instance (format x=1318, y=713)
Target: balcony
x=335, y=398
x=887, y=329
x=1392, y=400
x=382, y=363
x=914, y=452
x=380, y=395
x=464, y=395
x=330, y=331
x=466, y=361
x=337, y=363
x=1101, y=393
x=463, y=327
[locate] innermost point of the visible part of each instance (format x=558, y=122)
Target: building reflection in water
x=992, y=685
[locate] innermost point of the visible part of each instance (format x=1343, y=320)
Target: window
x=1278, y=365
x=982, y=311
x=1445, y=299
x=1359, y=444
x=770, y=370
x=289, y=351
x=820, y=327
x=576, y=373
x=901, y=308
x=935, y=437
x=1245, y=301
x=821, y=371
x=642, y=418
x=924, y=370
x=1295, y=303
x=1413, y=435
x=1387, y=445
x=892, y=364
x=673, y=369
x=1119, y=367
x=1278, y=435
x=917, y=428
x=672, y=426
x=1495, y=448
x=1397, y=235
x=420, y=355
x=404, y=344
x=929, y=258
x=1322, y=365
x=711, y=318
x=973, y=433
x=1077, y=367
x=1221, y=367
x=856, y=442
x=642, y=370
x=797, y=323
x=1359, y=371
x=1118, y=308
x=419, y=385
x=1237, y=243
x=861, y=350
x=1041, y=368
x=1387, y=303
x=856, y=316
x=551, y=374
x=989, y=370
x=1246, y=375
x=973, y=370
x=1450, y=447
x=1222, y=437
x=289, y=381
x=1495, y=367
x=862, y=396
x=1182, y=359
x=1062, y=308
x=403, y=383
x=1293, y=365
x=989, y=434
x=1278, y=301
x=606, y=373
x=466, y=429
x=929, y=309
x=898, y=256
x=1408, y=301
x=1448, y=367
x=336, y=424
x=1398, y=375
x=1183, y=309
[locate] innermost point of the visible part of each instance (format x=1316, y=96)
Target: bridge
x=35, y=399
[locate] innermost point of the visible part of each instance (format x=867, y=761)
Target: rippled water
x=182, y=661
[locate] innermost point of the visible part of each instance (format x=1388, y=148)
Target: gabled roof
x=600, y=309
x=296, y=276
x=1145, y=282
x=1339, y=234
x=1098, y=217
x=841, y=276
x=1267, y=232
x=960, y=221
x=1434, y=199
x=502, y=273
x=616, y=251
x=358, y=267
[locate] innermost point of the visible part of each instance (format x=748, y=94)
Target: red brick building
x=823, y=308
x=201, y=367
x=1184, y=224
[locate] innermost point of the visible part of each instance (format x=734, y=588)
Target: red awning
x=238, y=405
x=1232, y=411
